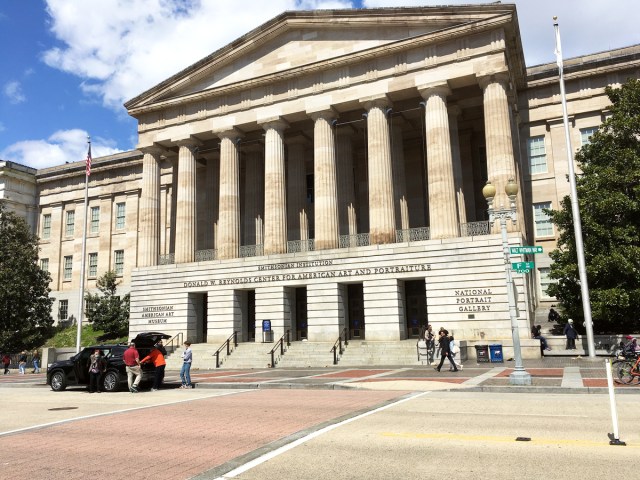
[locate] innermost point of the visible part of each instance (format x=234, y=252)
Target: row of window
x=67, y=265
x=94, y=221
x=538, y=155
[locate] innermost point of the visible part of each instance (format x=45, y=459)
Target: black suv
x=75, y=371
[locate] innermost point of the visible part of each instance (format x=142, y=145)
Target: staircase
x=245, y=355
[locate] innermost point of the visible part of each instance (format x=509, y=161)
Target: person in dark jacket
x=571, y=334
x=97, y=366
x=445, y=351
x=536, y=333
x=553, y=315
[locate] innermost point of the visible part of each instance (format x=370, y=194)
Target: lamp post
x=519, y=376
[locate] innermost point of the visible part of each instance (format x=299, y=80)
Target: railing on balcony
x=474, y=229
x=413, y=235
x=251, y=251
x=205, y=255
x=167, y=259
x=357, y=240
x=296, y=246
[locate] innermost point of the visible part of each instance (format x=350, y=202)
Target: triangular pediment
x=296, y=41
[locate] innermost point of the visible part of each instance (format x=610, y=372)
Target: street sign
x=521, y=250
x=522, y=267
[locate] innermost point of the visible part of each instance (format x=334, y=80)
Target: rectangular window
x=95, y=219
x=68, y=267
x=46, y=226
x=120, y=215
x=586, y=133
x=545, y=281
x=71, y=219
x=544, y=227
x=537, y=155
x=44, y=264
x=63, y=309
x=93, y=264
x=118, y=261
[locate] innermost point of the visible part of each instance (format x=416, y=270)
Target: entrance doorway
x=415, y=307
x=301, y=313
x=355, y=302
x=251, y=315
x=197, y=317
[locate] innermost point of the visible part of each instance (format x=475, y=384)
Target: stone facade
x=325, y=171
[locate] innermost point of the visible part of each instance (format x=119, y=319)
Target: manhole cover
x=62, y=408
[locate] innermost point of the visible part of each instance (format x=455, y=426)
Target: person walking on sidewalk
x=131, y=359
x=454, y=350
x=22, y=362
x=571, y=334
x=159, y=363
x=187, y=358
x=445, y=352
x=6, y=361
x=36, y=361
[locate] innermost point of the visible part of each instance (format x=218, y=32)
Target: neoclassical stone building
x=325, y=171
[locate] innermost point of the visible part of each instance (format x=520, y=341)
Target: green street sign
x=521, y=250
x=522, y=267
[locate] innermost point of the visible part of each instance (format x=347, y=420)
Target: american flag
x=88, y=162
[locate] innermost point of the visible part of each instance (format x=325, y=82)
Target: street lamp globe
x=489, y=191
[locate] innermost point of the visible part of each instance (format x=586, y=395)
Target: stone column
x=325, y=187
x=454, y=113
x=149, y=240
x=275, y=205
x=346, y=183
x=382, y=223
x=497, y=126
x=228, y=234
x=297, y=221
x=186, y=233
x=443, y=215
x=253, y=195
x=213, y=197
x=399, y=181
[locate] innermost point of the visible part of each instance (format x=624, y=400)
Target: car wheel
x=111, y=381
x=58, y=381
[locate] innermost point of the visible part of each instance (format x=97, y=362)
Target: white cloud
x=63, y=146
x=13, y=91
x=122, y=48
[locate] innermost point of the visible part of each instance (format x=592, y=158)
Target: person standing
x=445, y=351
x=36, y=361
x=454, y=350
x=187, y=358
x=131, y=359
x=6, y=361
x=159, y=363
x=22, y=362
x=571, y=334
x=430, y=338
x=97, y=366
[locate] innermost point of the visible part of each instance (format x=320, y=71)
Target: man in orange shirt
x=157, y=358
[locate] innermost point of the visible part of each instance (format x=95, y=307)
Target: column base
x=520, y=377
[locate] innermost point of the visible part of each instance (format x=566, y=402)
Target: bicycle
x=628, y=369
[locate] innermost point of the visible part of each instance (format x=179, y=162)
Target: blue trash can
x=495, y=353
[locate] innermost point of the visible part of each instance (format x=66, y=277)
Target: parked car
x=75, y=371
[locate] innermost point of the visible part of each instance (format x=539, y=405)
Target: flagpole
x=575, y=207
x=87, y=172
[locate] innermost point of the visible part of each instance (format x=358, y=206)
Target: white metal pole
x=84, y=253
x=575, y=208
x=612, y=400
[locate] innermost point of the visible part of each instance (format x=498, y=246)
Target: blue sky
x=67, y=66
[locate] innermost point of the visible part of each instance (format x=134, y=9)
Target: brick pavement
x=175, y=441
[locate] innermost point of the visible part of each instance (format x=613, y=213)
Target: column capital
x=274, y=123
x=155, y=150
x=189, y=142
x=230, y=133
x=373, y=101
x=486, y=78
x=327, y=113
x=441, y=89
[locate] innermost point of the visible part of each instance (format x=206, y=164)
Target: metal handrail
x=174, y=342
x=227, y=343
x=337, y=347
x=281, y=344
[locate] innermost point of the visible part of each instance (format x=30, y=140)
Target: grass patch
x=67, y=337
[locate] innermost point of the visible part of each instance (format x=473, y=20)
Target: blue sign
x=266, y=325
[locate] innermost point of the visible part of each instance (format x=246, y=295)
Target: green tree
x=25, y=305
x=609, y=200
x=108, y=311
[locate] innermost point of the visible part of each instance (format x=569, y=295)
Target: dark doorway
x=301, y=313
x=197, y=317
x=356, y=310
x=251, y=315
x=415, y=307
